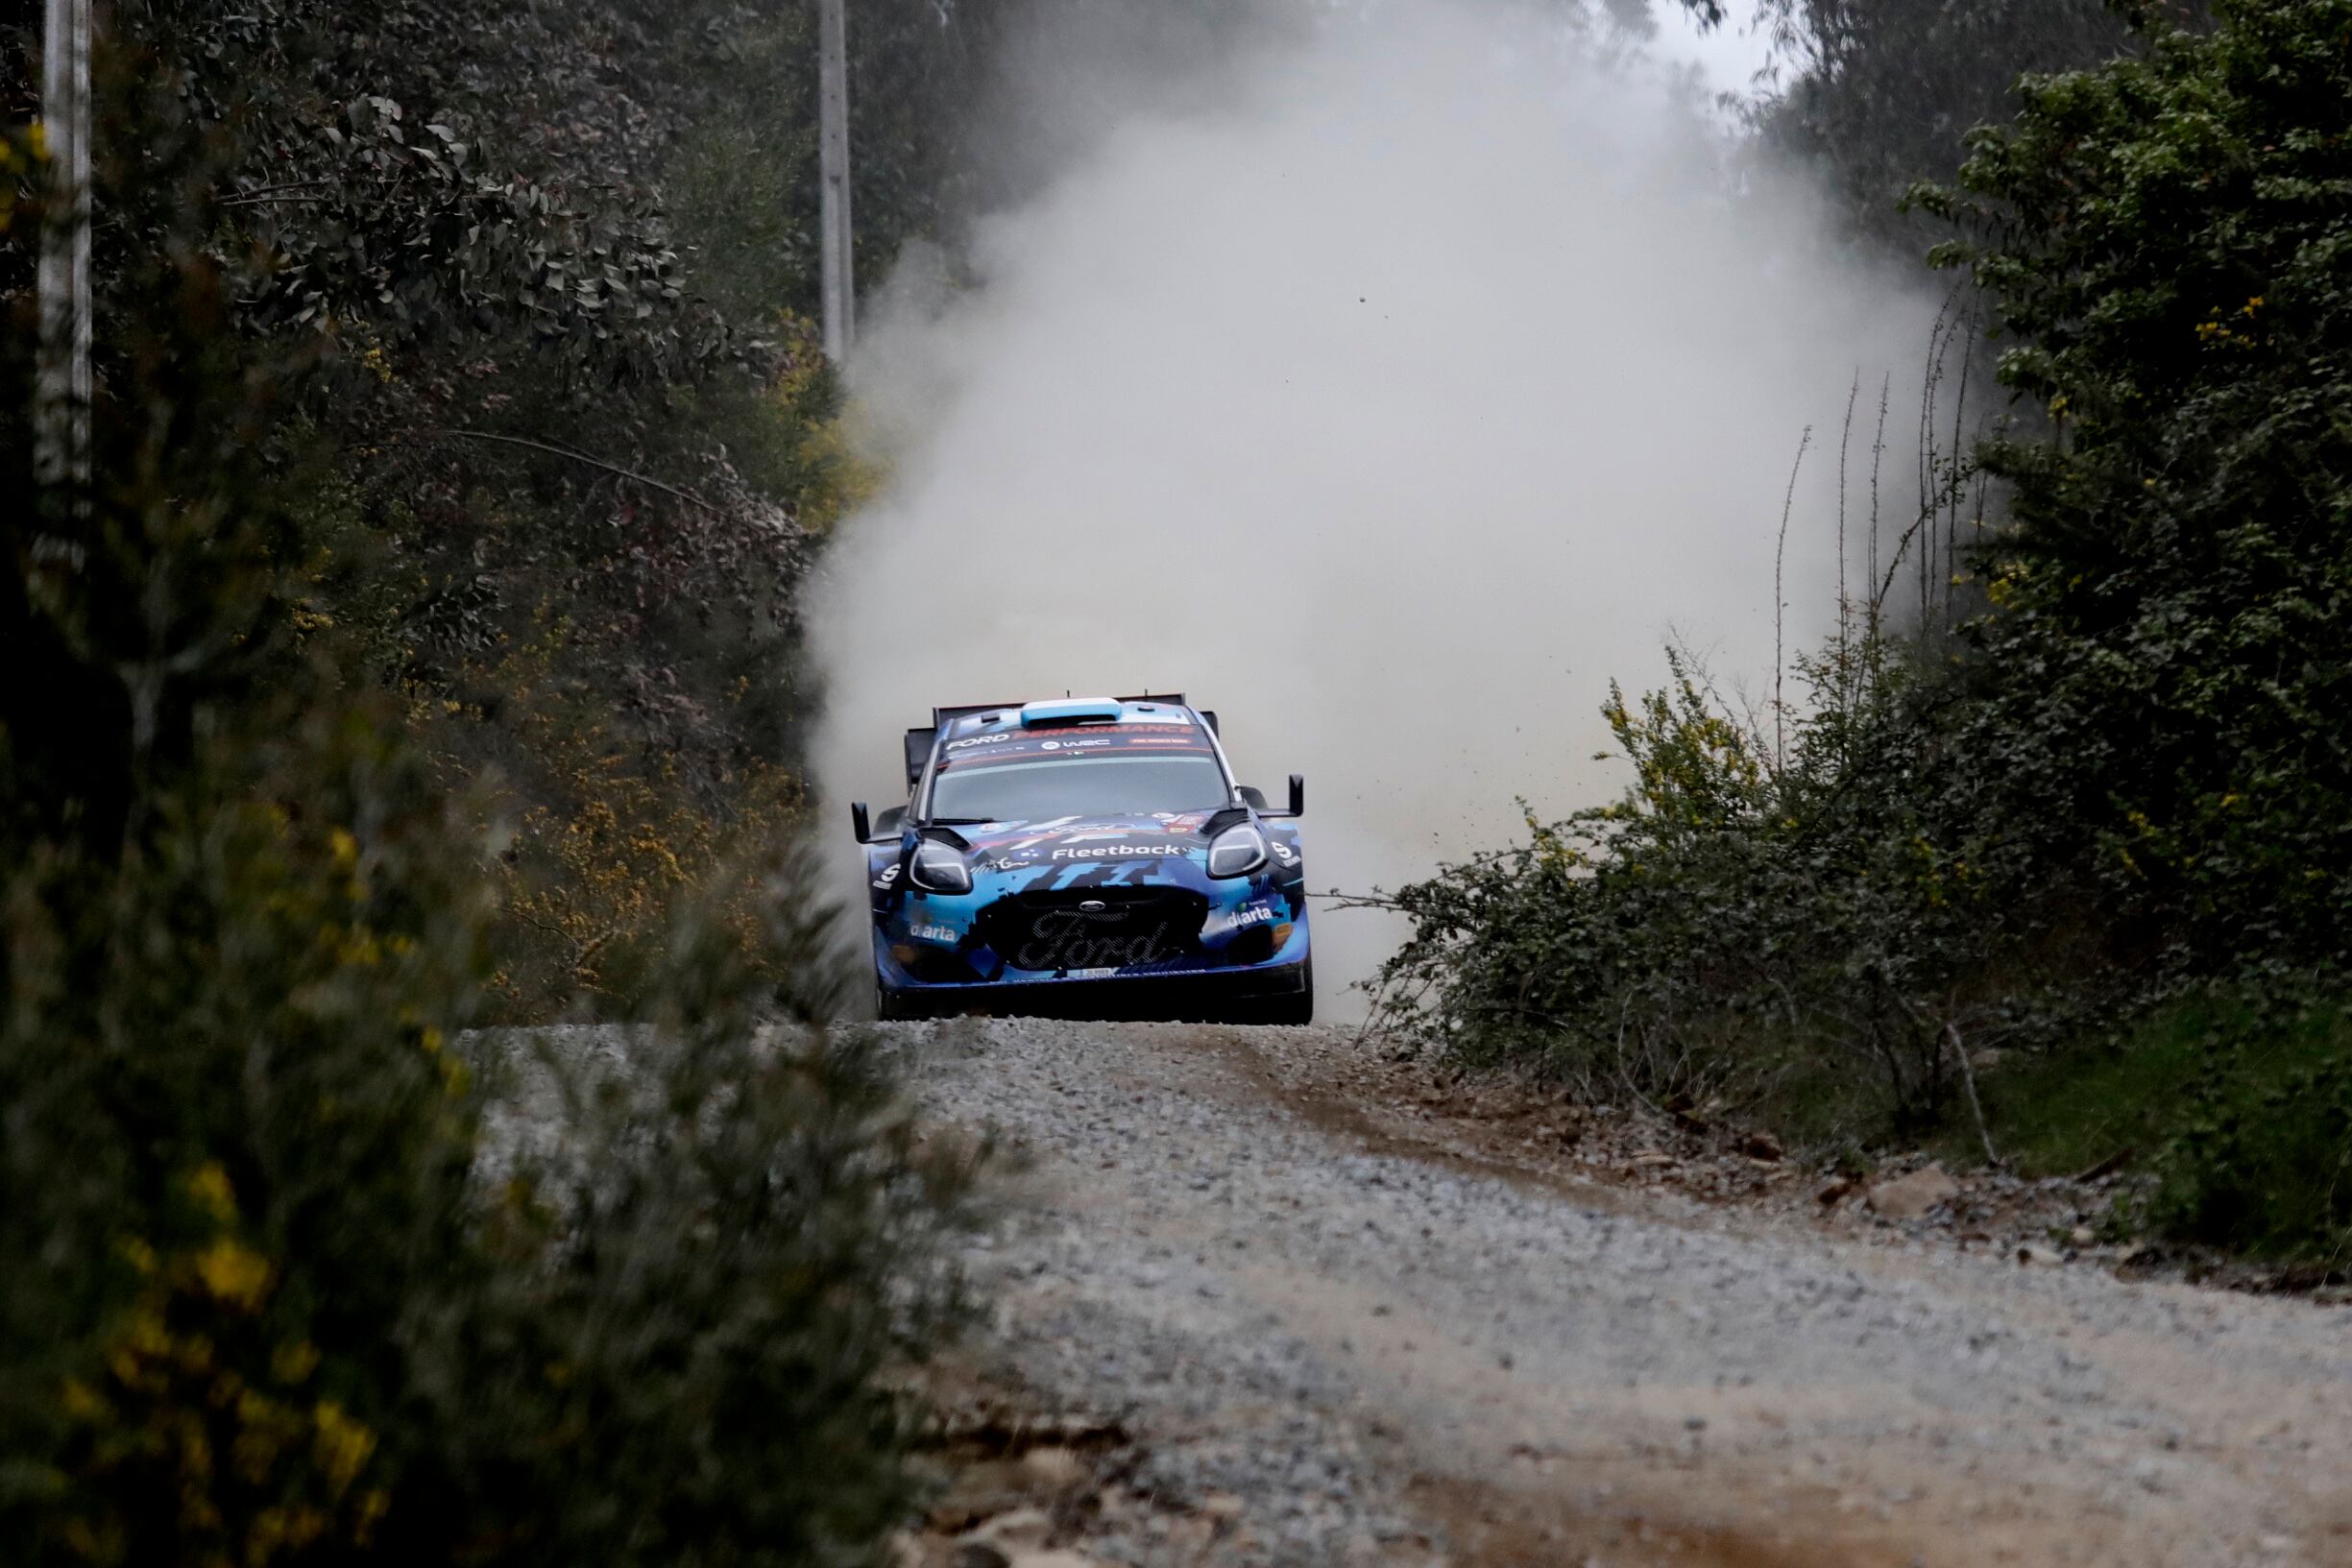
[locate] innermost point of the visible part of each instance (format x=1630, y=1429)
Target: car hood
x=1089, y=852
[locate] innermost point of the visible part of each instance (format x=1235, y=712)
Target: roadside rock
x=1911, y=1196
x=1055, y=1472
x=1014, y=1531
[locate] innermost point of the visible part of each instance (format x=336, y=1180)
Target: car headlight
x=1238, y=850
x=939, y=868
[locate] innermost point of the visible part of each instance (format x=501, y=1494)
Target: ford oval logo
x=1093, y=906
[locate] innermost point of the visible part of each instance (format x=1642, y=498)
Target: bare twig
x=1780, y=607
x=1903, y=547
x=1845, y=438
x=1968, y=1076
x=555, y=449
x=1878, y=463
x=2107, y=1166
x=1958, y=482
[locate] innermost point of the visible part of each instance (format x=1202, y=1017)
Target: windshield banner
x=1073, y=743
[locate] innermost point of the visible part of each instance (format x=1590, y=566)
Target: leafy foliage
x=2131, y=779
x=2263, y=1160
x=1877, y=94
x=2167, y=240
x=283, y=1276
x=1737, y=929
x=529, y=414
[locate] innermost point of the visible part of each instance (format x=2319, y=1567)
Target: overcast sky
x=1729, y=54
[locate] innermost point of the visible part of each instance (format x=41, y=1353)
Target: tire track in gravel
x=1395, y=1346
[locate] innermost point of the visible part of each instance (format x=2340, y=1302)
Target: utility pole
x=62, y=384
x=840, y=304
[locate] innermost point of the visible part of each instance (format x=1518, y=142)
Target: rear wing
x=921, y=740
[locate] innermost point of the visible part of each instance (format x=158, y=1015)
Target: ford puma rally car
x=1091, y=857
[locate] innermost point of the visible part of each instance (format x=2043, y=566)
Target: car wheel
x=892, y=1008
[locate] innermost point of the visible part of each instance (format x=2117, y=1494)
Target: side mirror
x=1298, y=798
x=889, y=823
x=857, y=820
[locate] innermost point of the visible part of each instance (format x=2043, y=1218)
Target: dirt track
x=1356, y=1334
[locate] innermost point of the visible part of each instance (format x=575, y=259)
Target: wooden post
x=61, y=386
x=836, y=255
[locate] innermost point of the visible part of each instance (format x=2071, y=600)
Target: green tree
x=1877, y=94
x=2167, y=242
x=292, y=1269
x=2111, y=835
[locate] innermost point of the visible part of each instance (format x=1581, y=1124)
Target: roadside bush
x=1790, y=933
x=2164, y=240
x=2261, y=1160
x=284, y=1277
x=2125, y=782
x=603, y=839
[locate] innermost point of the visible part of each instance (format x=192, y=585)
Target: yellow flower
x=143, y=1343
x=342, y=1445
x=373, y=1504
x=97, y=1543
x=234, y=1273
x=82, y=1403
x=209, y=1186
x=293, y=1362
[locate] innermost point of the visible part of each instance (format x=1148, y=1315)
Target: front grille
x=1129, y=927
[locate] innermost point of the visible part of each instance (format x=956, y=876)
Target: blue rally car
x=1091, y=857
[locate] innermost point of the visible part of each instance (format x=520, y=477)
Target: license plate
x=1091, y=974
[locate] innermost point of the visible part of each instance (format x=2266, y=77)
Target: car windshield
x=1076, y=786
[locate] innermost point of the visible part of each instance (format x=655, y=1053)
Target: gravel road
x=1355, y=1340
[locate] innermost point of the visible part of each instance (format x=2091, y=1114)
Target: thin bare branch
x=1780, y=607
x=557, y=449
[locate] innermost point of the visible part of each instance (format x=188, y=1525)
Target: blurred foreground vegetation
x=422, y=657
x=2070, y=872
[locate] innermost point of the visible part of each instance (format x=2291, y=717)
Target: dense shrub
x=2129, y=776
x=270, y=1290
x=2167, y=242
x=526, y=407
x=1738, y=928
x=2261, y=1158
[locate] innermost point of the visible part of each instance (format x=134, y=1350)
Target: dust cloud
x=1388, y=388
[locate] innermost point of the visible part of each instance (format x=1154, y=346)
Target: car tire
x=891, y=1007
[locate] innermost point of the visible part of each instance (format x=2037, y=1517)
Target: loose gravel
x=1355, y=1343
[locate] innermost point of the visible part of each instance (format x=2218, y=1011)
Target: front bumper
x=1171, y=995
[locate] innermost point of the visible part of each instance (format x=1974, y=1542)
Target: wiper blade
x=957, y=822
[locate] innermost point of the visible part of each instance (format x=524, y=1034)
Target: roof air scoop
x=1080, y=710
